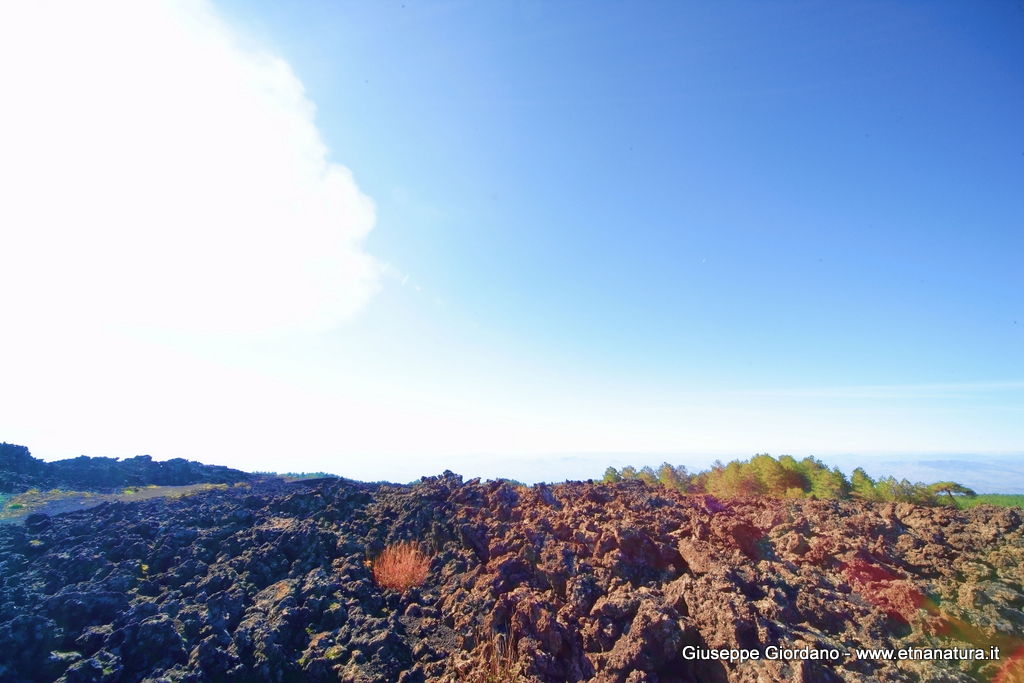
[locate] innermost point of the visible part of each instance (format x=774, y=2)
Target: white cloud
x=158, y=174
x=166, y=196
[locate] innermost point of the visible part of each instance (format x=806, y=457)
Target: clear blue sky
x=663, y=227
x=716, y=194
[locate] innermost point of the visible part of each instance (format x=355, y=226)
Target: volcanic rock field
x=268, y=580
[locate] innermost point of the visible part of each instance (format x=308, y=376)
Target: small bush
x=401, y=566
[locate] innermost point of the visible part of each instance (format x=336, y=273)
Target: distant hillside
x=19, y=471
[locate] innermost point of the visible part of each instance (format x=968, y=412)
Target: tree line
x=787, y=477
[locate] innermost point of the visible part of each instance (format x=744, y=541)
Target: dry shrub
x=501, y=659
x=401, y=566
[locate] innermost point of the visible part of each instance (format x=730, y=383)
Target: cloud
x=158, y=173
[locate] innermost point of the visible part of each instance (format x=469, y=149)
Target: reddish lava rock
x=570, y=582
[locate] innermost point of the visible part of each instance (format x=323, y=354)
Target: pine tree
x=862, y=485
x=671, y=477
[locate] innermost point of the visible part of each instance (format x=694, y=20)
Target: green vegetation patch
x=787, y=477
x=999, y=499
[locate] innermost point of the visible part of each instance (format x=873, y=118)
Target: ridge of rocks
x=19, y=471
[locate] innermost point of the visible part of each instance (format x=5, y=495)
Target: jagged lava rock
x=271, y=581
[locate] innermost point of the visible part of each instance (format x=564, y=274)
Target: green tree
x=950, y=488
x=796, y=477
x=734, y=479
x=892, y=491
x=885, y=489
x=862, y=485
x=647, y=475
x=828, y=484
x=673, y=477
x=775, y=479
x=787, y=477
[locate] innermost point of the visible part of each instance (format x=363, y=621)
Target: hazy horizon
x=983, y=472
x=287, y=236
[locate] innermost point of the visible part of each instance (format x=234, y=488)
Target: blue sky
x=720, y=193
x=675, y=230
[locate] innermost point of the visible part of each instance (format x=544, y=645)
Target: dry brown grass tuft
x=501, y=659
x=401, y=566
x=496, y=660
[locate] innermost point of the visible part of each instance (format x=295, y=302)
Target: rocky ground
x=60, y=501
x=20, y=471
x=272, y=581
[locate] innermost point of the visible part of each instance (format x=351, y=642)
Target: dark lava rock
x=273, y=581
x=19, y=471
